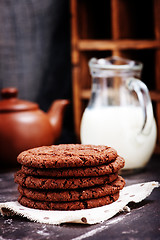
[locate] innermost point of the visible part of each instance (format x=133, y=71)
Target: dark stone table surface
x=142, y=223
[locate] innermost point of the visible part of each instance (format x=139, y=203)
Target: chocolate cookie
x=67, y=155
x=112, y=167
x=73, y=205
x=73, y=195
x=62, y=183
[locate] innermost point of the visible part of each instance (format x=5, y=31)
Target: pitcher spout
x=55, y=115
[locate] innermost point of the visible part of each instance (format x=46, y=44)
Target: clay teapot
x=23, y=125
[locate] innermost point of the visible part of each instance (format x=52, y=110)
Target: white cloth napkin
x=134, y=193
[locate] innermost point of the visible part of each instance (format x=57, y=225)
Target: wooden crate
x=114, y=27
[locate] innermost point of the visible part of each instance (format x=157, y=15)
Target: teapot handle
x=136, y=85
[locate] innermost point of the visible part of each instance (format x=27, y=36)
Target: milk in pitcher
x=120, y=128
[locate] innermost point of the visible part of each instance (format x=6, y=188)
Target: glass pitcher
x=120, y=113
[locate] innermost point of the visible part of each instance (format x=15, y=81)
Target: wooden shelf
x=155, y=96
x=123, y=44
x=114, y=27
x=85, y=94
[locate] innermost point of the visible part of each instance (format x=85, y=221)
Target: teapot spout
x=55, y=115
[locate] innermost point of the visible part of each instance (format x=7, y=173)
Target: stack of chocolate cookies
x=69, y=177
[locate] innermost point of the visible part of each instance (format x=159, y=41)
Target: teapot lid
x=10, y=102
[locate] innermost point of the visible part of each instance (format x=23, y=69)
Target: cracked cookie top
x=67, y=155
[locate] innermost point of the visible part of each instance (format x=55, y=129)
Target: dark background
x=35, y=53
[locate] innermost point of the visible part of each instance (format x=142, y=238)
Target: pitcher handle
x=142, y=92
